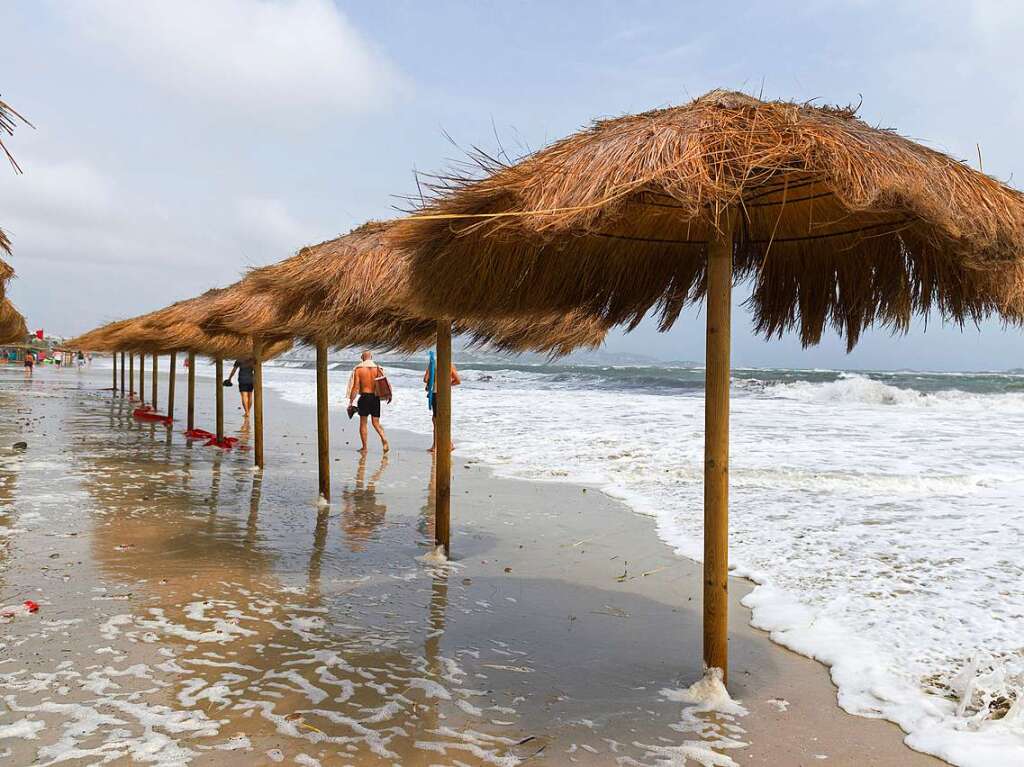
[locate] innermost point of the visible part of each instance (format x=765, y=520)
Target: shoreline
x=601, y=638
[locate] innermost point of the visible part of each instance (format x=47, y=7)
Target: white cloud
x=259, y=56
x=270, y=222
x=89, y=247
x=74, y=214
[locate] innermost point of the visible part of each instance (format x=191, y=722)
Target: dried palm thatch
x=9, y=119
x=351, y=292
x=99, y=339
x=175, y=328
x=12, y=324
x=835, y=223
x=6, y=272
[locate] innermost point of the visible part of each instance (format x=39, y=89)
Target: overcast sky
x=177, y=143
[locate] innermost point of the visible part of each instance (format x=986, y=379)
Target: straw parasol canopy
x=835, y=223
x=174, y=328
x=9, y=119
x=352, y=292
x=12, y=324
x=6, y=272
x=99, y=339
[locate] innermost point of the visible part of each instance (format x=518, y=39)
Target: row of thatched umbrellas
x=833, y=223
x=344, y=293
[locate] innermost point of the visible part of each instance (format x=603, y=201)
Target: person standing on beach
x=30, y=362
x=430, y=380
x=362, y=384
x=246, y=380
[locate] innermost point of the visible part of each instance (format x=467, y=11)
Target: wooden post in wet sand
x=131, y=376
x=122, y=374
x=716, y=453
x=191, y=391
x=142, y=379
x=219, y=381
x=156, y=369
x=443, y=440
x=170, y=384
x=257, y=403
x=114, y=358
x=323, y=437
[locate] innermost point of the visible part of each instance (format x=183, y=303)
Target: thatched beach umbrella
x=261, y=347
x=172, y=329
x=103, y=339
x=834, y=223
x=12, y=324
x=352, y=292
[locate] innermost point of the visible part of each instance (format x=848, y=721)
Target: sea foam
x=879, y=515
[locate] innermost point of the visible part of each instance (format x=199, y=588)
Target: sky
x=177, y=144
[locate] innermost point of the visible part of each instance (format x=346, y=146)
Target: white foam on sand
x=709, y=713
x=435, y=556
x=23, y=728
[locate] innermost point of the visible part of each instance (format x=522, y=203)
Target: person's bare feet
x=386, y=445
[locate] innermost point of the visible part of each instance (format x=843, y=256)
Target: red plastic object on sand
x=26, y=607
x=147, y=413
x=225, y=444
x=199, y=434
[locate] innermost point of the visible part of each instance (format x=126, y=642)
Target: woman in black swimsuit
x=246, y=369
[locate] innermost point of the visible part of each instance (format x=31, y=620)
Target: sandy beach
x=194, y=611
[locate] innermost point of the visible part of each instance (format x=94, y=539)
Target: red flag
x=39, y=334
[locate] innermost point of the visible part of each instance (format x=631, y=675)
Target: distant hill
x=465, y=357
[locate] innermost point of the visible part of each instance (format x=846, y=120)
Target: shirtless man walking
x=361, y=385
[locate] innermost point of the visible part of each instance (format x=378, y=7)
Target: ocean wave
x=861, y=389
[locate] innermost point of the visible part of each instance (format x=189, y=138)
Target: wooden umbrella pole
x=114, y=387
x=716, y=454
x=443, y=437
x=170, y=384
x=122, y=374
x=323, y=437
x=142, y=379
x=257, y=403
x=191, y=391
x=219, y=382
x=131, y=375
x=156, y=369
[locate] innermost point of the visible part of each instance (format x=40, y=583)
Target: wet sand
x=194, y=611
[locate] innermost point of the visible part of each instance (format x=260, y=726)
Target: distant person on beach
x=246, y=369
x=430, y=383
x=30, y=362
x=80, y=360
x=362, y=384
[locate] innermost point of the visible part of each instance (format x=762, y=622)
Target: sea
x=880, y=514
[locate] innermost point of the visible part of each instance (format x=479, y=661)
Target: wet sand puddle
x=194, y=612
